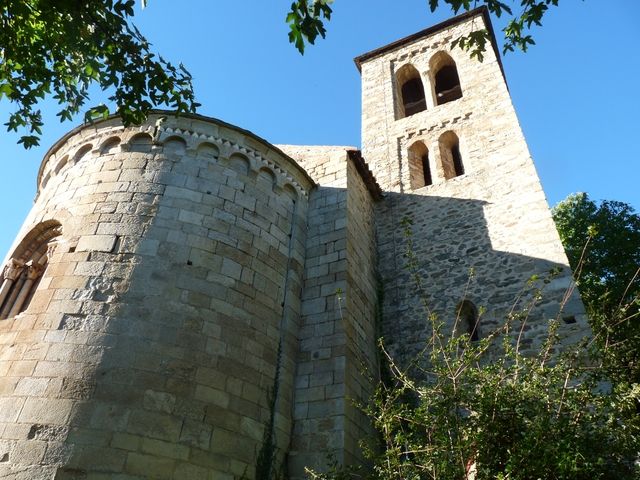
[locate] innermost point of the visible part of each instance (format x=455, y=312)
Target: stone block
x=154, y=425
x=159, y=401
x=33, y=387
x=149, y=466
x=125, y=441
x=50, y=410
x=186, y=471
x=97, y=243
x=213, y=396
x=10, y=408
x=196, y=434
x=161, y=449
x=27, y=452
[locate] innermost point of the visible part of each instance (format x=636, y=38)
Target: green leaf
x=29, y=141
x=5, y=90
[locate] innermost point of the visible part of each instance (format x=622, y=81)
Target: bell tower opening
x=450, y=157
x=446, y=86
x=419, y=169
x=411, y=92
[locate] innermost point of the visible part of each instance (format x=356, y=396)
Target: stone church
x=183, y=289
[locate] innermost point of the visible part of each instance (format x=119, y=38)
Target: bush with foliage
x=484, y=410
x=516, y=417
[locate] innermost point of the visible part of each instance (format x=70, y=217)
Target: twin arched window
x=22, y=274
x=451, y=164
x=445, y=80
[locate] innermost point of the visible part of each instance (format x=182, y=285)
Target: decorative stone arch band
x=188, y=133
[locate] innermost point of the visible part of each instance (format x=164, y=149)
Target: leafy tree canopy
x=61, y=47
x=602, y=242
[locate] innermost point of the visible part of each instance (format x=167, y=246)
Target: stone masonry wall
x=337, y=339
x=362, y=331
x=493, y=220
x=151, y=345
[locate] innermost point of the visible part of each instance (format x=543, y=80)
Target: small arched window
x=445, y=76
x=22, y=274
x=411, y=91
x=419, y=169
x=450, y=156
x=467, y=320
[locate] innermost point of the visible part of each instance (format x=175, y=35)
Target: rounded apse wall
x=167, y=310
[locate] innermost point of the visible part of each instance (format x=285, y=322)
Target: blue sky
x=575, y=92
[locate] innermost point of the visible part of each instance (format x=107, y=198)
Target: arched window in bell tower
x=410, y=91
x=419, y=169
x=446, y=83
x=450, y=157
x=22, y=274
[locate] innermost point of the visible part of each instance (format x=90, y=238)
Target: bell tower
x=430, y=113
x=441, y=136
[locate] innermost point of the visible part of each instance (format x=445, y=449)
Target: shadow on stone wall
x=456, y=261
